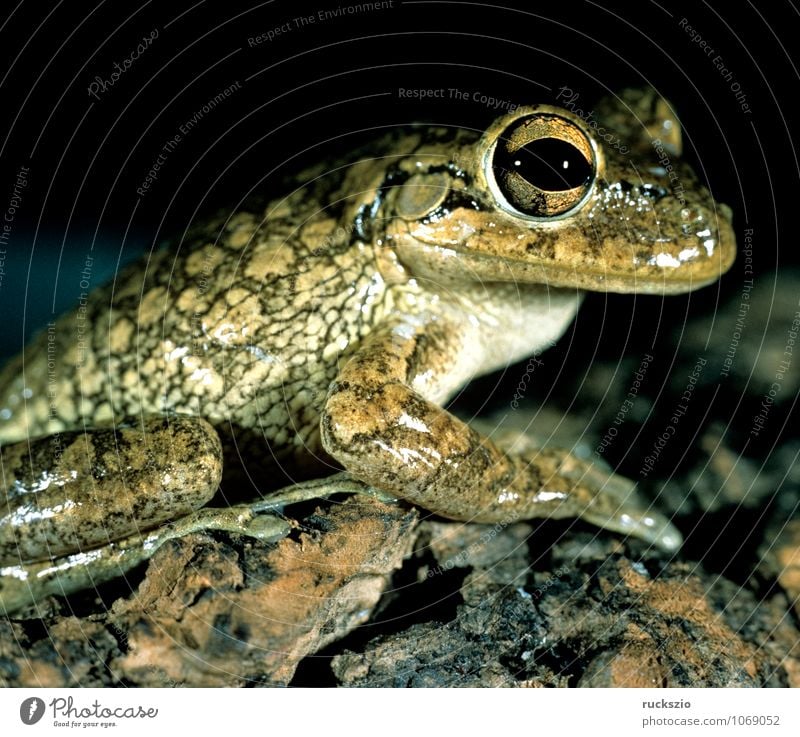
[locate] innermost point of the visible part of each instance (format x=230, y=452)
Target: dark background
x=318, y=90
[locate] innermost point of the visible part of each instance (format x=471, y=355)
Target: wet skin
x=326, y=330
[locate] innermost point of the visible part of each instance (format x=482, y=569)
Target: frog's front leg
x=381, y=424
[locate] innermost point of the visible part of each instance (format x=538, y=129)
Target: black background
x=316, y=91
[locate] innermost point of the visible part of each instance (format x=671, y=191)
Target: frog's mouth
x=568, y=256
x=660, y=274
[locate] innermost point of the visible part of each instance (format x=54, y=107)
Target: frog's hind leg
x=80, y=508
x=394, y=438
x=306, y=491
x=24, y=585
x=80, y=489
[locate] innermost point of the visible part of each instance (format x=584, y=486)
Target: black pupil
x=550, y=164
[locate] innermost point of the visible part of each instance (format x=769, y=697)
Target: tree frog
x=325, y=331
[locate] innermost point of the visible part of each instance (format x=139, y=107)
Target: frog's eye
x=543, y=165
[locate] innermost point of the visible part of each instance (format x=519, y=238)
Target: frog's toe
x=650, y=526
x=617, y=506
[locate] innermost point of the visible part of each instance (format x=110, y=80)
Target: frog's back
x=243, y=324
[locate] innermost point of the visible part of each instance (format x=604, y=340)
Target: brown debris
x=214, y=613
x=600, y=616
x=781, y=558
x=579, y=610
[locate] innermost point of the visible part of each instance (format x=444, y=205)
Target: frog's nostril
x=653, y=191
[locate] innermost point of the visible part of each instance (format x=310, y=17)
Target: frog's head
x=600, y=202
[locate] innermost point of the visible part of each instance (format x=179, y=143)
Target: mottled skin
x=327, y=329
x=161, y=470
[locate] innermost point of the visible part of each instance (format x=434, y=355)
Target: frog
x=307, y=345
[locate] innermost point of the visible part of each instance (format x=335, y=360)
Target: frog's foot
x=593, y=493
x=24, y=585
x=338, y=483
x=610, y=501
x=240, y=520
